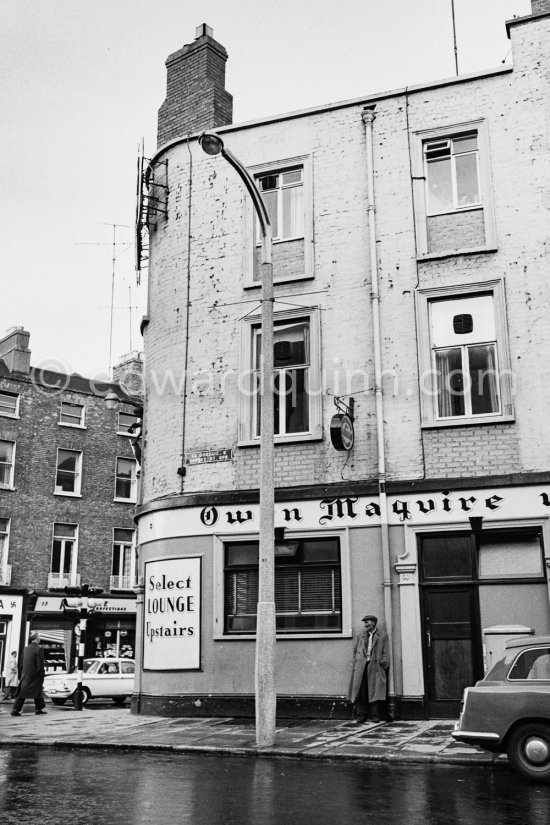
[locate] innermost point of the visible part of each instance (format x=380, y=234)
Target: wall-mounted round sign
x=342, y=434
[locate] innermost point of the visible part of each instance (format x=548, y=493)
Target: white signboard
x=171, y=614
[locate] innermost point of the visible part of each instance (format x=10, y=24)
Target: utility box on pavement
x=495, y=638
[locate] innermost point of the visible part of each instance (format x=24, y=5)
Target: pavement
x=103, y=726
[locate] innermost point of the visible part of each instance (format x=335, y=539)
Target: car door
x=106, y=680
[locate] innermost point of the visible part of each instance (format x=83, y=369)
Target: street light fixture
x=266, y=698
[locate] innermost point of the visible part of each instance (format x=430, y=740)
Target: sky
x=80, y=85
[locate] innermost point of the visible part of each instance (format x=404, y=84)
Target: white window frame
x=219, y=540
x=427, y=377
x=420, y=139
x=122, y=581
x=247, y=394
x=252, y=242
x=456, y=207
x=133, y=480
x=8, y=393
x=4, y=543
x=121, y=431
x=9, y=485
x=58, y=576
x=76, y=493
x=82, y=417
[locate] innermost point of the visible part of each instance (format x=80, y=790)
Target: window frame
x=419, y=180
x=71, y=576
x=247, y=393
x=121, y=431
x=456, y=207
x=428, y=386
x=82, y=418
x=4, y=543
x=9, y=485
x=8, y=393
x=133, y=480
x=132, y=546
x=219, y=542
x=76, y=493
x=251, y=241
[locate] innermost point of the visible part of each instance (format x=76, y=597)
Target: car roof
x=522, y=641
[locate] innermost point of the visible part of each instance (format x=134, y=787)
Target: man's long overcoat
x=32, y=672
x=377, y=667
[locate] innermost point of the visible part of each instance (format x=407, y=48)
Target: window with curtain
x=63, y=550
x=283, y=195
x=124, y=566
x=465, y=356
x=291, y=354
x=308, y=597
x=7, y=462
x=4, y=539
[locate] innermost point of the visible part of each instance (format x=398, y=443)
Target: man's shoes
x=376, y=719
x=360, y=720
x=40, y=712
x=15, y=713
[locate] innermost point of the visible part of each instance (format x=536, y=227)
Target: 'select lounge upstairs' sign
x=171, y=614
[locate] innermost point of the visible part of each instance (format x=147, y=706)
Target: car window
x=108, y=667
x=127, y=667
x=531, y=664
x=90, y=666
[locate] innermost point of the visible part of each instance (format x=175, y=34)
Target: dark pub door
x=453, y=657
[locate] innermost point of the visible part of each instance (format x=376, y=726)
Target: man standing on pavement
x=32, y=677
x=371, y=658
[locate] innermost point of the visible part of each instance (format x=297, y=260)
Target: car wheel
x=529, y=751
x=85, y=697
x=58, y=701
x=119, y=700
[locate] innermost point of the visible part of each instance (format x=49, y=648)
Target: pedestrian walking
x=32, y=677
x=12, y=679
x=371, y=659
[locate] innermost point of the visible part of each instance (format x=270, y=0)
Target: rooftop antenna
x=113, y=243
x=454, y=35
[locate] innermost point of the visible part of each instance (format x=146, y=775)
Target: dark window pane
x=447, y=557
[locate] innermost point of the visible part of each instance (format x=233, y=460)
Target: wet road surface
x=44, y=786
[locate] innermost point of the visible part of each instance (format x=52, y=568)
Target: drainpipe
x=368, y=119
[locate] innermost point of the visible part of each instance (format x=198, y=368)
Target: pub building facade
x=412, y=467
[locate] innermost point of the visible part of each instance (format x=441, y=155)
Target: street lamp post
x=266, y=698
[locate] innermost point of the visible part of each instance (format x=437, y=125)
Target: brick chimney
x=14, y=350
x=540, y=6
x=129, y=373
x=196, y=98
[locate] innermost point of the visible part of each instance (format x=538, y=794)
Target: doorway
x=452, y=652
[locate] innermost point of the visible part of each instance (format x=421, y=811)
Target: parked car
x=509, y=710
x=102, y=678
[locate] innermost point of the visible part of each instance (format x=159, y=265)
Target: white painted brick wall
x=516, y=108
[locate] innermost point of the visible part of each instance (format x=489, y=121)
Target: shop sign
x=209, y=456
x=171, y=614
x=342, y=434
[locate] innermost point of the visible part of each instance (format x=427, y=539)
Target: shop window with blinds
x=308, y=590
